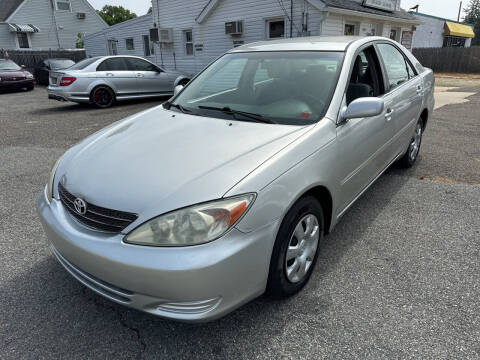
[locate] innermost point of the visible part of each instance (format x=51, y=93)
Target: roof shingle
x=8, y=7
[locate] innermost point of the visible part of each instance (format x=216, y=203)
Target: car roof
x=312, y=43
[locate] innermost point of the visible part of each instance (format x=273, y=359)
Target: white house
x=126, y=38
x=440, y=32
x=192, y=33
x=46, y=24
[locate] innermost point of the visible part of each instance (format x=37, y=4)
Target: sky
x=443, y=8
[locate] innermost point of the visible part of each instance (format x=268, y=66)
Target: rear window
x=61, y=63
x=84, y=63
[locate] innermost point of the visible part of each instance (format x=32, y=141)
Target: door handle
x=389, y=113
x=139, y=75
x=109, y=74
x=419, y=90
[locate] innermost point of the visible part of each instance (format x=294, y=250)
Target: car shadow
x=46, y=304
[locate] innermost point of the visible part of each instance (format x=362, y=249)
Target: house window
x=349, y=29
x=188, y=36
x=275, y=29
x=63, y=5
x=129, y=44
x=148, y=49
x=23, y=40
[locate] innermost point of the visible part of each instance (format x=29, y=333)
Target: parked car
x=103, y=80
x=192, y=208
x=13, y=76
x=43, y=68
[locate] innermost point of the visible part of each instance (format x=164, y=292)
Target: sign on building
x=388, y=5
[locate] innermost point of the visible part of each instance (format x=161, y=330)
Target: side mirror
x=177, y=89
x=23, y=66
x=363, y=107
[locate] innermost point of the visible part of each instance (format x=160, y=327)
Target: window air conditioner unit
x=234, y=28
x=166, y=35
x=81, y=15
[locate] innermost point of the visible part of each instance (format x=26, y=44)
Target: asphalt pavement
x=398, y=278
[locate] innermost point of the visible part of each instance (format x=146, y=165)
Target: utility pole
x=459, y=11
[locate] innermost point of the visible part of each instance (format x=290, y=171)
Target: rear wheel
x=102, y=97
x=414, y=147
x=296, y=248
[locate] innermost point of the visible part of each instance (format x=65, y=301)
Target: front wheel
x=414, y=147
x=102, y=97
x=296, y=248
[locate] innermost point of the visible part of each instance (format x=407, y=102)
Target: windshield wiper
x=228, y=110
x=168, y=105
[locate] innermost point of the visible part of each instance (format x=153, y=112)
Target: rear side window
x=395, y=65
x=140, y=65
x=113, y=64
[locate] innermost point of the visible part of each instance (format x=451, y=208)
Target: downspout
x=55, y=23
x=291, y=18
x=158, y=27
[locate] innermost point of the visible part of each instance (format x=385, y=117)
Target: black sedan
x=43, y=68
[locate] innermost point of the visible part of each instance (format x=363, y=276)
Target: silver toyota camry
x=192, y=208
x=103, y=80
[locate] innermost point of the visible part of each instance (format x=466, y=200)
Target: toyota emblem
x=80, y=206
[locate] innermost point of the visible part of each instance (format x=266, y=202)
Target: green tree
x=473, y=17
x=115, y=14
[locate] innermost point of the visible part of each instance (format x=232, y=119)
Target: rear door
x=405, y=92
x=150, y=78
x=115, y=72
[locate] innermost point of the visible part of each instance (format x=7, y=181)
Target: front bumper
x=64, y=94
x=20, y=84
x=196, y=283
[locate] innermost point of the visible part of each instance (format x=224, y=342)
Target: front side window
x=113, y=64
x=281, y=87
x=188, y=36
x=23, y=40
x=395, y=65
x=275, y=29
x=129, y=44
x=63, y=5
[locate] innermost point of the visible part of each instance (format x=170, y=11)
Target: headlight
x=50, y=180
x=29, y=76
x=194, y=225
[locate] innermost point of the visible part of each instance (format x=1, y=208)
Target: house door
x=112, y=47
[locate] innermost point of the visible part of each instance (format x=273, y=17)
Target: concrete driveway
x=398, y=278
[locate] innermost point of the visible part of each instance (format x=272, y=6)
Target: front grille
x=15, y=78
x=96, y=217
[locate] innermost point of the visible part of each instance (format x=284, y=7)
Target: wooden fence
x=30, y=58
x=450, y=59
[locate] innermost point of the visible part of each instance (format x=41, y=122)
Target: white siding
x=211, y=33
x=40, y=14
x=7, y=40
x=429, y=34
x=97, y=44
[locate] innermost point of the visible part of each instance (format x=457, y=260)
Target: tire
x=30, y=88
x=291, y=256
x=102, y=97
x=413, y=150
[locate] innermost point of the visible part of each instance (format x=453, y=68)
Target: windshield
x=84, y=63
x=283, y=87
x=8, y=65
x=60, y=63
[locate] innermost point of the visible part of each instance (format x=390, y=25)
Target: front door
x=364, y=144
x=150, y=78
x=112, y=47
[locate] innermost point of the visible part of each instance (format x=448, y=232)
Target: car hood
x=13, y=73
x=161, y=160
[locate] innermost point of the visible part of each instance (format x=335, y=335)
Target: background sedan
x=103, y=80
x=13, y=76
x=43, y=68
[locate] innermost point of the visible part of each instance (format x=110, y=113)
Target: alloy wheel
x=414, y=147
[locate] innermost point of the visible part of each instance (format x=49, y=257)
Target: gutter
x=372, y=16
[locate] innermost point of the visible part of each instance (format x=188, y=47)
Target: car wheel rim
x=102, y=97
x=415, y=143
x=302, y=248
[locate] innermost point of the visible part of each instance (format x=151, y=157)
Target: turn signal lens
x=67, y=80
x=194, y=225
